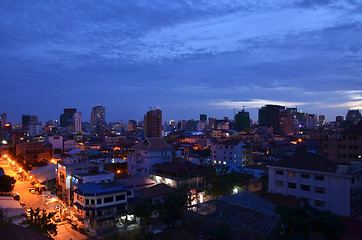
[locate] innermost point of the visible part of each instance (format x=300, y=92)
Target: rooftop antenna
x=243, y=108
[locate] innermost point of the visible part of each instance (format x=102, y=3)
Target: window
x=120, y=197
x=86, y=201
x=62, y=178
x=280, y=173
x=292, y=185
x=108, y=199
x=319, y=177
x=280, y=183
x=93, y=202
x=99, y=201
x=291, y=174
x=129, y=193
x=305, y=175
x=305, y=187
x=87, y=213
x=319, y=203
x=319, y=190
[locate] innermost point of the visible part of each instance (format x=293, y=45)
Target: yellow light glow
x=31, y=176
x=118, y=171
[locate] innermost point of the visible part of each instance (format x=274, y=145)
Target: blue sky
x=188, y=57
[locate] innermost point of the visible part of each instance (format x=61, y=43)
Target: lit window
x=291, y=174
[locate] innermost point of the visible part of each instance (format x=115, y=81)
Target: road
x=34, y=200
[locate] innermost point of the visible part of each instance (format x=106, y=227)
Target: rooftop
x=153, y=144
x=178, y=167
x=308, y=161
x=98, y=189
x=233, y=142
x=157, y=190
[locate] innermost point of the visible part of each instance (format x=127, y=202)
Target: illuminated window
x=291, y=174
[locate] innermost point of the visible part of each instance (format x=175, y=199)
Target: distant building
x=242, y=120
x=312, y=120
x=286, y=124
x=229, y=152
x=269, y=116
x=346, y=147
x=319, y=182
x=322, y=120
x=147, y=153
x=77, y=122
x=98, y=117
x=132, y=125
x=56, y=141
x=203, y=117
x=35, y=152
x=152, y=124
x=353, y=116
x=3, y=118
x=67, y=117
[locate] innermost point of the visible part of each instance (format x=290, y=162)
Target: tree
x=143, y=210
x=7, y=183
x=4, y=220
x=299, y=223
x=39, y=221
x=170, y=209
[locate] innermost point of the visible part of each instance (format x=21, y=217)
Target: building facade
x=98, y=117
x=152, y=124
x=319, y=182
x=229, y=152
x=147, y=153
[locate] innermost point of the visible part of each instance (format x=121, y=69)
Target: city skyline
x=187, y=57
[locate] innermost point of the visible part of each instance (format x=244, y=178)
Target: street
x=34, y=201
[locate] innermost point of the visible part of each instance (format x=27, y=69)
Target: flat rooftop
x=98, y=189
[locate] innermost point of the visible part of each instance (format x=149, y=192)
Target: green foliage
x=221, y=182
x=39, y=221
x=299, y=223
x=4, y=220
x=7, y=183
x=143, y=210
x=170, y=210
x=223, y=233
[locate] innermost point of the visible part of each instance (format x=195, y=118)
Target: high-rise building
x=98, y=117
x=152, y=124
x=269, y=116
x=312, y=120
x=67, y=117
x=3, y=118
x=322, y=120
x=353, y=116
x=132, y=125
x=242, y=120
x=77, y=122
x=286, y=124
x=203, y=117
x=25, y=119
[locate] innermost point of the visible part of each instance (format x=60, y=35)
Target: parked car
x=22, y=204
x=31, y=189
x=32, y=192
x=51, y=201
x=16, y=196
x=28, y=212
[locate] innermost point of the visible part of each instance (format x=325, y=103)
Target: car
x=22, y=204
x=56, y=218
x=16, y=196
x=32, y=192
x=28, y=211
x=51, y=201
x=31, y=189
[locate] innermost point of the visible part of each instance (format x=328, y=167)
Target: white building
x=147, y=153
x=321, y=183
x=77, y=122
x=228, y=152
x=56, y=141
x=98, y=205
x=77, y=173
x=35, y=129
x=70, y=144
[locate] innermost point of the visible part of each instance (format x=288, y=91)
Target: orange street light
x=118, y=171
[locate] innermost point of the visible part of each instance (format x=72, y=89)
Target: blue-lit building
x=100, y=206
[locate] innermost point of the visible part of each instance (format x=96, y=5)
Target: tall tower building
x=203, y=117
x=67, y=117
x=98, y=116
x=152, y=124
x=269, y=116
x=242, y=120
x=3, y=118
x=286, y=124
x=77, y=122
x=353, y=116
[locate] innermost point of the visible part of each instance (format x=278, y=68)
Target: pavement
x=65, y=230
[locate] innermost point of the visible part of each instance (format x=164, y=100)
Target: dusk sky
x=188, y=57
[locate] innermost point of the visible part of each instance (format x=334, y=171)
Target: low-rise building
x=229, y=152
x=35, y=152
x=319, y=182
x=100, y=205
x=70, y=174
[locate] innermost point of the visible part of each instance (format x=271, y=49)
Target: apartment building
x=147, y=153
x=321, y=183
x=231, y=152
x=76, y=173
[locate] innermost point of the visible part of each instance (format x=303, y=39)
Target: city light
x=118, y=171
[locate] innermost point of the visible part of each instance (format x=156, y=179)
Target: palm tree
x=39, y=221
